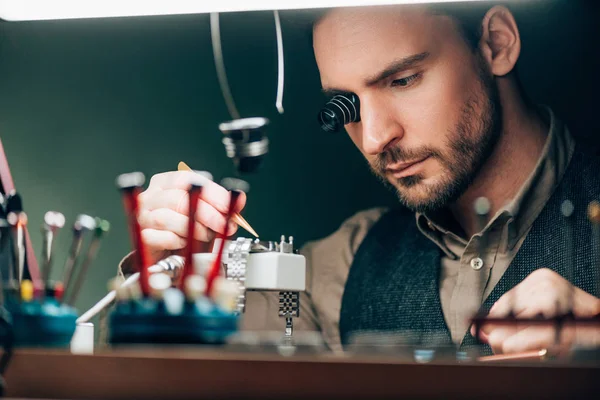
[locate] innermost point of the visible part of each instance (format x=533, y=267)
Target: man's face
x=430, y=114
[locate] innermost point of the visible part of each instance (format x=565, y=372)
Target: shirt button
x=476, y=263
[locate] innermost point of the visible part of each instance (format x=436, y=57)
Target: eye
x=404, y=82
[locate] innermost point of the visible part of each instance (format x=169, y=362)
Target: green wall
x=83, y=101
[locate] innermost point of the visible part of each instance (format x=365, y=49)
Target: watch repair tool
x=268, y=266
x=53, y=221
x=245, y=142
x=170, y=265
x=17, y=219
x=235, y=186
x=194, y=193
x=169, y=315
x=83, y=224
x=340, y=110
x=130, y=186
x=102, y=227
x=7, y=187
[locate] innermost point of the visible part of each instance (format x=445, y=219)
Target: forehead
x=353, y=43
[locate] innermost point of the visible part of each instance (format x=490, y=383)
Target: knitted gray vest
x=392, y=285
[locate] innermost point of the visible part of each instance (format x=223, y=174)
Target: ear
x=500, y=41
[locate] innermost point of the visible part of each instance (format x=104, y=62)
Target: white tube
x=83, y=339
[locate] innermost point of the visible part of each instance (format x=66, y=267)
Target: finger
x=164, y=219
x=212, y=193
x=546, y=304
x=207, y=215
x=525, y=305
x=585, y=304
x=531, y=338
x=504, y=305
x=542, y=281
x=497, y=337
x=178, y=201
x=553, y=296
x=483, y=336
x=175, y=199
x=158, y=240
x=176, y=180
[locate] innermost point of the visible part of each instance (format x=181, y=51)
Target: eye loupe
x=342, y=109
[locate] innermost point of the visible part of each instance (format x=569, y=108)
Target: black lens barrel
x=342, y=109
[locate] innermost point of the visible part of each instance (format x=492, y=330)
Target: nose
x=380, y=127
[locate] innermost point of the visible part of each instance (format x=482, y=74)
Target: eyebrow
x=392, y=69
x=397, y=66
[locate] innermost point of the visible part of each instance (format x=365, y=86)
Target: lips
x=402, y=170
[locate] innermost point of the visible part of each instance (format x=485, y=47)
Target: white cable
x=280, y=81
x=215, y=34
x=110, y=297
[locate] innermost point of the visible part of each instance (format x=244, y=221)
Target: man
x=444, y=122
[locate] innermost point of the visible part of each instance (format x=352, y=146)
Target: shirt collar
x=517, y=216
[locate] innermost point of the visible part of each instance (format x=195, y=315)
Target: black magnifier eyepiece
x=342, y=109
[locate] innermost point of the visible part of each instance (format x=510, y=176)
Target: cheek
x=432, y=110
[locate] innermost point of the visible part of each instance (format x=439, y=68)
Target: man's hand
x=163, y=215
x=546, y=293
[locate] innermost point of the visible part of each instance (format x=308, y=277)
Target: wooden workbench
x=180, y=373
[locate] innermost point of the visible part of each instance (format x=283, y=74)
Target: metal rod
x=131, y=186
x=213, y=273
x=17, y=221
x=83, y=223
x=194, y=196
x=527, y=355
x=53, y=221
x=102, y=227
x=20, y=247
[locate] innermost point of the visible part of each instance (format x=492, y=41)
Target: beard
x=468, y=145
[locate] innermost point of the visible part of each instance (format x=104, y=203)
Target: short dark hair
x=468, y=16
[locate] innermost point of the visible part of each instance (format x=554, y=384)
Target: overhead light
x=31, y=10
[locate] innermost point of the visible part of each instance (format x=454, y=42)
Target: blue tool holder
x=41, y=323
x=147, y=320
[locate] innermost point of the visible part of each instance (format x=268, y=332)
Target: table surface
x=192, y=373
